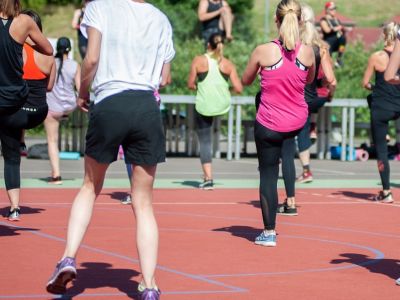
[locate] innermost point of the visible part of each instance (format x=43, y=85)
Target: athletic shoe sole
x=208, y=188
x=305, y=180
x=266, y=244
x=287, y=214
x=386, y=201
x=59, y=284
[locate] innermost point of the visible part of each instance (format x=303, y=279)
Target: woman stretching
x=213, y=98
x=61, y=101
x=285, y=66
x=15, y=29
x=385, y=106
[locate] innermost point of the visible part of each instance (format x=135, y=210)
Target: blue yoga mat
x=70, y=155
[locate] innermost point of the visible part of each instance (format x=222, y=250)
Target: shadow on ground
x=11, y=231
x=356, y=195
x=25, y=210
x=244, y=232
x=191, y=183
x=99, y=275
x=116, y=195
x=386, y=266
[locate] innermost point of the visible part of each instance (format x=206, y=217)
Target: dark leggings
x=379, y=124
x=269, y=145
x=203, y=129
x=10, y=136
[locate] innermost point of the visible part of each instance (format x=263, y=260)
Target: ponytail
x=390, y=33
x=216, y=45
x=308, y=33
x=288, y=13
x=63, y=48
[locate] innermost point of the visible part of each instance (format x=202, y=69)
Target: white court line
x=315, y=194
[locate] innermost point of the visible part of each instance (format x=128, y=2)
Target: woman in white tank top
x=61, y=101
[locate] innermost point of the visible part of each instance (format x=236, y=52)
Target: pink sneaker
x=305, y=177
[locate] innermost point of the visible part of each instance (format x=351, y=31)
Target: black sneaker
x=13, y=215
x=207, y=184
x=283, y=209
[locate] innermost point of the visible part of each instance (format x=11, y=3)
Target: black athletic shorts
x=131, y=119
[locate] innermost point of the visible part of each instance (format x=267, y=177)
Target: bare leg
x=51, y=125
x=207, y=171
x=305, y=157
x=226, y=21
x=82, y=208
x=13, y=196
x=146, y=225
x=291, y=202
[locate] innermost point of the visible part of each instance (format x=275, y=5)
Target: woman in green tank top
x=209, y=75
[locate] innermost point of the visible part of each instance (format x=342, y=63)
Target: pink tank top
x=283, y=107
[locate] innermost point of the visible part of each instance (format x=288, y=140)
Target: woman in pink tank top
x=285, y=67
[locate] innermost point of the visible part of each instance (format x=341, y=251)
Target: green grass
x=57, y=23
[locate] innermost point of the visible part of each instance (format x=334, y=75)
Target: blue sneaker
x=65, y=272
x=398, y=281
x=266, y=239
x=150, y=294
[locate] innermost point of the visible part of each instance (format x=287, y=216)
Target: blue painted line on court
x=230, y=288
x=379, y=255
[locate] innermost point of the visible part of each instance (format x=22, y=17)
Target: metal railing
x=179, y=124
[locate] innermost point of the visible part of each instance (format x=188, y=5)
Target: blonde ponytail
x=390, y=33
x=308, y=32
x=288, y=13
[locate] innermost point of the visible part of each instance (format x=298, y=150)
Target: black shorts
x=131, y=119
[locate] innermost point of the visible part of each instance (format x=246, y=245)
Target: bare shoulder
x=23, y=19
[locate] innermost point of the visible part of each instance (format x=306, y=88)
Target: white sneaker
x=127, y=200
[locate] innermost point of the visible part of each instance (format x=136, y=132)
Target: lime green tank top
x=213, y=97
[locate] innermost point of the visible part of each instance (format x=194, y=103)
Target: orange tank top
x=31, y=70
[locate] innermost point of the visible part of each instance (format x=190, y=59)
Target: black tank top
x=310, y=91
x=332, y=23
x=214, y=22
x=13, y=89
x=385, y=95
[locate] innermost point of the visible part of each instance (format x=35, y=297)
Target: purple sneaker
x=64, y=273
x=150, y=294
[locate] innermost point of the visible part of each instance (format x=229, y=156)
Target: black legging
x=10, y=136
x=269, y=145
x=379, y=125
x=204, y=134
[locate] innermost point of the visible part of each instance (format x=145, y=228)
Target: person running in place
x=212, y=72
x=385, y=106
x=333, y=32
x=125, y=61
x=215, y=17
x=323, y=62
x=285, y=66
x=76, y=24
x=309, y=36
x=61, y=101
x=392, y=75
x=18, y=108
